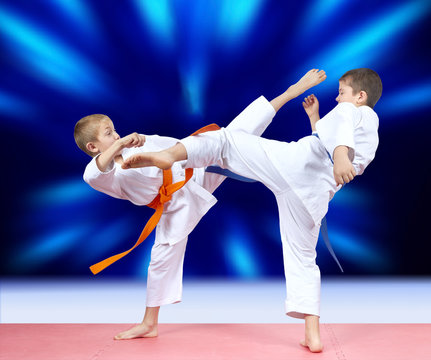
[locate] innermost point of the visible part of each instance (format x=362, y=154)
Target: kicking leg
x=241, y=153
x=310, y=79
x=255, y=112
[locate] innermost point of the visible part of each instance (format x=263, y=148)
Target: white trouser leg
x=245, y=155
x=165, y=274
x=254, y=119
x=237, y=151
x=164, y=284
x=299, y=237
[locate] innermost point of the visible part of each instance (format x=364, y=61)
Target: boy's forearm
x=341, y=153
x=104, y=160
x=313, y=120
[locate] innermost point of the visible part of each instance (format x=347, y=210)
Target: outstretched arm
x=310, y=79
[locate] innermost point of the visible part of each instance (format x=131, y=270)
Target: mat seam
x=334, y=341
x=102, y=350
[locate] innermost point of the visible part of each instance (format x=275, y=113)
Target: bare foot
x=312, y=333
x=310, y=79
x=161, y=159
x=141, y=330
x=313, y=345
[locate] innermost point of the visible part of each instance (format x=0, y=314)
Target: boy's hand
x=132, y=140
x=344, y=172
x=311, y=106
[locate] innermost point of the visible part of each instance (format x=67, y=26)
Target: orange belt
x=165, y=194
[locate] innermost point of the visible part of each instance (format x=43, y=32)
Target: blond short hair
x=86, y=130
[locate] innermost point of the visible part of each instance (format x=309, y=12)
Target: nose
x=117, y=136
x=337, y=98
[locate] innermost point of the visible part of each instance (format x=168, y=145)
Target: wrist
x=117, y=147
x=340, y=153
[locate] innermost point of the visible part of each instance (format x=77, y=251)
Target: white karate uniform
x=300, y=174
x=182, y=213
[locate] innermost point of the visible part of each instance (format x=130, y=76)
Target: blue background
x=169, y=67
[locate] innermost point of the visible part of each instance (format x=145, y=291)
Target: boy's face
x=106, y=135
x=345, y=94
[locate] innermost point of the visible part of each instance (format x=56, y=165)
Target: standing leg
x=299, y=237
x=164, y=286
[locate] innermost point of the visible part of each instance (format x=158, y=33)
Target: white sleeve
x=366, y=139
x=337, y=128
x=162, y=141
x=104, y=181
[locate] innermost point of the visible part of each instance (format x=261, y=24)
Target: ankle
x=149, y=323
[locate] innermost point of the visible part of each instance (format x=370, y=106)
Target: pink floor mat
x=214, y=341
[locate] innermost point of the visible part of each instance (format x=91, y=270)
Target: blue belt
x=329, y=155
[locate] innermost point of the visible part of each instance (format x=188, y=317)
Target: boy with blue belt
x=96, y=136
x=303, y=175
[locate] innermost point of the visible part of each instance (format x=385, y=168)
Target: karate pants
x=165, y=273
x=244, y=154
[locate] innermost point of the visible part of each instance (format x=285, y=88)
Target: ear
x=362, y=98
x=92, y=148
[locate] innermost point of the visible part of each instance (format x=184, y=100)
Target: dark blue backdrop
x=170, y=67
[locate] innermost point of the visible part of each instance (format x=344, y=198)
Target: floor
x=362, y=318
x=214, y=342
x=99, y=300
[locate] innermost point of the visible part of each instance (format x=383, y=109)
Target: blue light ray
x=236, y=18
x=11, y=105
x=106, y=236
x=67, y=191
x=239, y=253
x=193, y=85
x=350, y=196
x=49, y=246
x=49, y=60
x=79, y=13
x=411, y=98
x=356, y=249
x=370, y=42
x=159, y=18
x=241, y=258
x=316, y=14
